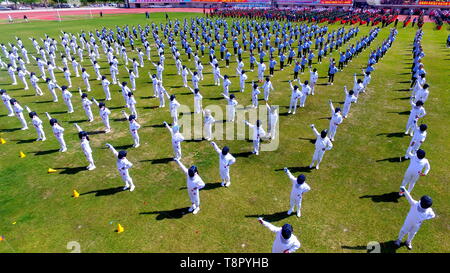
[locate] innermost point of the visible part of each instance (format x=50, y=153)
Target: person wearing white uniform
x=131, y=102
x=161, y=92
x=18, y=110
x=231, y=107
x=37, y=123
x=34, y=82
x=58, y=131
x=125, y=90
x=422, y=94
x=242, y=78
x=105, y=85
x=197, y=100
x=258, y=133
x=159, y=70
x=184, y=74
x=272, y=112
x=267, y=87
x=225, y=160
x=295, y=96
x=177, y=138
x=420, y=134
x=195, y=79
x=418, y=166
x=358, y=87
x=226, y=84
x=207, y=124
x=86, y=103
x=132, y=79
x=6, y=98
x=134, y=127
x=194, y=185
x=22, y=76
x=255, y=93
x=366, y=80
x=306, y=90
x=67, y=97
x=261, y=70
x=86, y=147
x=104, y=114
x=417, y=112
x=285, y=241
x=216, y=73
x=174, y=104
x=418, y=212
x=349, y=99
x=11, y=72
x=154, y=83
x=323, y=143
x=299, y=187
x=336, y=119
x=85, y=76
x=123, y=166
x=313, y=77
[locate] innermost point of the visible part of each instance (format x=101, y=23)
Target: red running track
x=53, y=13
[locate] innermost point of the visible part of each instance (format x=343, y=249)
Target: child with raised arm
x=177, y=138
x=299, y=187
x=123, y=166
x=194, y=185
x=225, y=160
x=85, y=147
x=37, y=123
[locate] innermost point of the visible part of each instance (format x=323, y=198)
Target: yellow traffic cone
x=22, y=155
x=50, y=170
x=2, y=141
x=120, y=228
x=75, y=194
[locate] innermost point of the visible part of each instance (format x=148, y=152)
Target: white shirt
x=280, y=244
x=297, y=190
x=416, y=165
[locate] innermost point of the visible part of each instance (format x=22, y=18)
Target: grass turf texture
x=354, y=194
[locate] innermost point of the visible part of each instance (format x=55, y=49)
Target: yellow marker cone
x=75, y=194
x=50, y=170
x=120, y=228
x=22, y=155
x=2, y=141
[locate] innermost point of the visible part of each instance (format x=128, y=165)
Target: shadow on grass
x=105, y=192
x=57, y=112
x=123, y=147
x=46, y=101
x=208, y=186
x=73, y=170
x=159, y=160
x=400, y=113
x=46, y=152
x=392, y=159
x=168, y=214
x=385, y=247
x=305, y=169
x=23, y=141
x=311, y=140
x=277, y=216
x=218, y=98
x=243, y=154
x=10, y=130
x=156, y=126
x=399, y=134
x=404, y=98
x=386, y=197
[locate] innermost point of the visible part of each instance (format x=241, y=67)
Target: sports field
x=353, y=199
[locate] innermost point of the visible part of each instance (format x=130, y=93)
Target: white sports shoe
x=126, y=188
x=227, y=184
x=132, y=188
x=191, y=208
x=408, y=245
x=222, y=184
x=398, y=242
x=289, y=212
x=196, y=210
x=299, y=213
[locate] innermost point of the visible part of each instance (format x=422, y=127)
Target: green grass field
x=352, y=201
